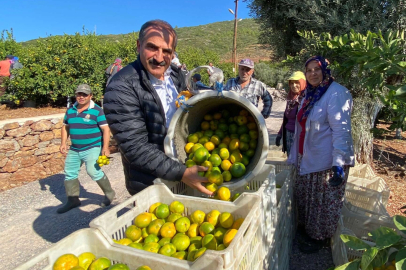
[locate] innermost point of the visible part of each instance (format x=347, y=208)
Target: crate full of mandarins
x=183, y=229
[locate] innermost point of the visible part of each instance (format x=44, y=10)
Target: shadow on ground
x=53, y=226
x=321, y=260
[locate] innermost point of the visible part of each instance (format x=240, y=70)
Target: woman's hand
x=278, y=141
x=337, y=177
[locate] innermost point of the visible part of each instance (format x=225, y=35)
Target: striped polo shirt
x=84, y=127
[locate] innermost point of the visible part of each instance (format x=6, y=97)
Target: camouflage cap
x=246, y=63
x=84, y=88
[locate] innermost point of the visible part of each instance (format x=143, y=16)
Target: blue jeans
x=75, y=159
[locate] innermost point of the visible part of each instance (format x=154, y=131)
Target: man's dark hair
x=159, y=25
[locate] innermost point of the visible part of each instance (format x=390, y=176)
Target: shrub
x=54, y=66
x=389, y=248
x=272, y=74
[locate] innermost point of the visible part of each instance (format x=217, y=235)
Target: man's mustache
x=156, y=63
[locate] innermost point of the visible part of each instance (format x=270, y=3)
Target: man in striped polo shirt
x=87, y=127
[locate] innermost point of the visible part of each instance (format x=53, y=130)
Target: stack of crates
x=278, y=159
x=357, y=222
x=363, y=211
x=277, y=215
x=284, y=225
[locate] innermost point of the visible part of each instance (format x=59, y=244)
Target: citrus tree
x=54, y=66
x=8, y=45
x=194, y=57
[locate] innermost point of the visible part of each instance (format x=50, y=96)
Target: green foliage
x=280, y=19
x=54, y=66
x=194, y=57
x=216, y=37
x=387, y=241
x=272, y=74
x=353, y=242
x=8, y=45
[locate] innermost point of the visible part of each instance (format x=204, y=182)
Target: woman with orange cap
x=297, y=83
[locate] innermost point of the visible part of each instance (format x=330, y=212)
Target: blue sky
x=31, y=19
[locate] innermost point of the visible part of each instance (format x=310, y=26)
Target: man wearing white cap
x=250, y=88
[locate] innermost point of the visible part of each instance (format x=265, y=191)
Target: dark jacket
x=137, y=120
x=282, y=131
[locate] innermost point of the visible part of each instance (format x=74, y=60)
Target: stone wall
x=30, y=151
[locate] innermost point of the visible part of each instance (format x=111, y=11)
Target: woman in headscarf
x=297, y=83
x=323, y=152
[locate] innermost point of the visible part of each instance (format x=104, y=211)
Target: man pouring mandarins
x=139, y=103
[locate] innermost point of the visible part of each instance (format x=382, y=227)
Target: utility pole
x=235, y=37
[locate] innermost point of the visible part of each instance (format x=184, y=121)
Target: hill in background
x=217, y=37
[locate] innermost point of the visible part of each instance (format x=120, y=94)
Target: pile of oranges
x=88, y=261
x=225, y=145
x=165, y=230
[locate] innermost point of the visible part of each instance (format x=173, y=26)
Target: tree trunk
x=398, y=134
x=363, y=117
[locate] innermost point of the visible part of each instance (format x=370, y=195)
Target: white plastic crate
x=278, y=159
x=251, y=254
x=357, y=222
x=373, y=183
x=363, y=197
x=114, y=222
x=263, y=185
x=91, y=240
x=277, y=256
x=362, y=171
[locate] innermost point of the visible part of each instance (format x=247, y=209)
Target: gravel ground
x=29, y=223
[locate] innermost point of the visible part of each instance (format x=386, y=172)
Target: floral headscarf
x=314, y=93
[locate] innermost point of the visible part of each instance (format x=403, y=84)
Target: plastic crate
x=91, y=240
x=114, y=222
x=278, y=159
x=263, y=185
x=373, y=183
x=363, y=197
x=362, y=171
x=280, y=246
x=357, y=222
